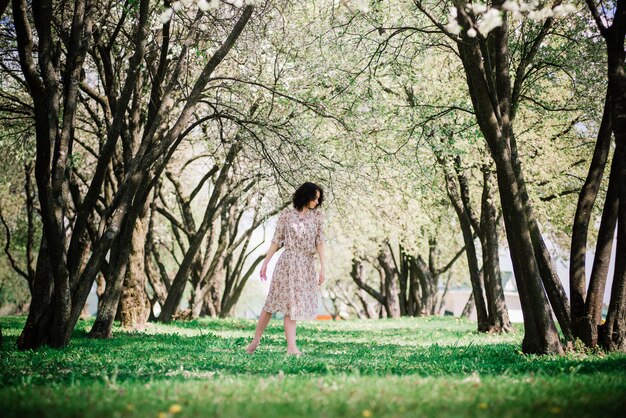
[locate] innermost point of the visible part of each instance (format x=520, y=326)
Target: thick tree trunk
x=550, y=279
x=489, y=84
x=581, y=322
x=134, y=303
x=592, y=317
x=55, y=128
x=103, y=324
x=390, y=279
x=498, y=312
x=428, y=285
x=613, y=332
x=35, y=332
x=414, y=288
x=134, y=201
x=541, y=336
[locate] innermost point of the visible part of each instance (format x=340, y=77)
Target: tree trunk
x=541, y=336
x=489, y=84
x=134, y=303
x=390, y=279
x=470, y=250
x=414, y=288
x=358, y=277
x=592, y=317
x=585, y=327
x=469, y=307
x=498, y=312
x=35, y=332
x=216, y=200
x=428, y=285
x=613, y=332
x=53, y=87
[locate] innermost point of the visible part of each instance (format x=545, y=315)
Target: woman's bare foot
x=295, y=352
x=251, y=347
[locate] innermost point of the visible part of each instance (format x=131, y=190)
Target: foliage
x=387, y=367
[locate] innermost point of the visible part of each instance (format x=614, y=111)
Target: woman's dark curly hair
x=306, y=193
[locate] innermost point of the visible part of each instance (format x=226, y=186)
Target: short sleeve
x=279, y=233
x=319, y=236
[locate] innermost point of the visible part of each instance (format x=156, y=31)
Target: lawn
x=423, y=367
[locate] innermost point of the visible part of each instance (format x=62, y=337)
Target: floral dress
x=293, y=290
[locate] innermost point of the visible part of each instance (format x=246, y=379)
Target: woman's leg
x=264, y=319
x=290, y=334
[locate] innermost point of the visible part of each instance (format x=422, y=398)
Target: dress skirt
x=294, y=287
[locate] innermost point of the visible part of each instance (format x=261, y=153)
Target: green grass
x=411, y=367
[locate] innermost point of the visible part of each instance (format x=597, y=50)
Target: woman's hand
x=264, y=271
x=322, y=278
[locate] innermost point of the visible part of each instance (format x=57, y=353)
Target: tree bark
x=592, y=317
x=612, y=334
x=35, y=332
x=490, y=90
x=390, y=279
x=581, y=322
x=469, y=307
x=216, y=200
x=54, y=87
x=498, y=312
x=461, y=209
x=358, y=277
x=134, y=303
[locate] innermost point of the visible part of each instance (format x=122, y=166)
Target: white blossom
x=471, y=32
x=542, y=14
x=569, y=8
x=478, y=8
x=251, y=2
x=203, y=5
x=510, y=6
x=453, y=27
x=491, y=20
x=563, y=10
x=453, y=12
x=187, y=3
x=176, y=6
x=526, y=7
x=238, y=3
x=362, y=5
x=166, y=16
x=176, y=49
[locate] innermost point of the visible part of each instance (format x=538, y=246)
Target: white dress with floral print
x=293, y=290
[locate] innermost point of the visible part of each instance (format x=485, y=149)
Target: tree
x=484, y=53
x=54, y=70
x=587, y=308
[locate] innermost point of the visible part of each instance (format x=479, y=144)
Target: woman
x=293, y=290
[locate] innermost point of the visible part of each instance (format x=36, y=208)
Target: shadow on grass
x=170, y=354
